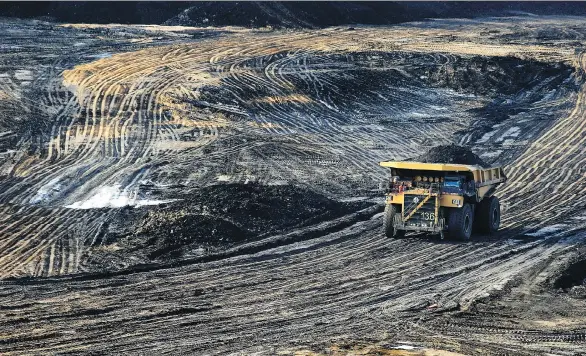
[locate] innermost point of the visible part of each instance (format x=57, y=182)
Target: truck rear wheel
x=489, y=215
x=390, y=231
x=460, y=223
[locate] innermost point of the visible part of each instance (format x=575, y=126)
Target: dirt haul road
x=115, y=140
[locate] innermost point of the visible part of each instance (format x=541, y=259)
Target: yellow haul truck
x=441, y=198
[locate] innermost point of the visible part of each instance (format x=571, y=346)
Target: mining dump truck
x=451, y=199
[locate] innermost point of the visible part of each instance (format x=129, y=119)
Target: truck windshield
x=452, y=184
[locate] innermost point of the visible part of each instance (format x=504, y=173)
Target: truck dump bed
x=482, y=176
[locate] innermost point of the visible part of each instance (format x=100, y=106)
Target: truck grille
x=425, y=215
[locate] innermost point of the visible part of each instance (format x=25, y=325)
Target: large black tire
x=460, y=222
x=488, y=216
x=389, y=230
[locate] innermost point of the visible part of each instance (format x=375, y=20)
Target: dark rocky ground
x=268, y=143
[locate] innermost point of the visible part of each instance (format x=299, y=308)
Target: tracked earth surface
x=182, y=190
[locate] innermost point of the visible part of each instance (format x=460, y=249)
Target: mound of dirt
x=173, y=235
x=450, y=154
x=264, y=209
x=212, y=219
x=573, y=279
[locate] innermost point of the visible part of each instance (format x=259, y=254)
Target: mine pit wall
x=274, y=120
x=479, y=120
x=317, y=120
x=114, y=135
x=545, y=178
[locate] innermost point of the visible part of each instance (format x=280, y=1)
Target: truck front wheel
x=460, y=222
x=389, y=229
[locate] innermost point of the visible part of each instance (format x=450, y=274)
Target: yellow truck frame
x=441, y=198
